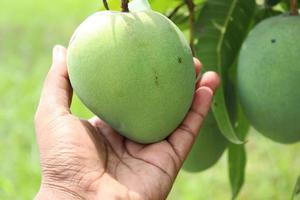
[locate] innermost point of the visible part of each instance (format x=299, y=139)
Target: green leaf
x=181, y=18
x=296, y=193
x=236, y=153
x=237, y=165
x=220, y=30
x=237, y=158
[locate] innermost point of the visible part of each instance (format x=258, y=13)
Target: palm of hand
x=139, y=168
x=91, y=154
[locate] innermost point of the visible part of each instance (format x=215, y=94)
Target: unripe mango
x=134, y=70
x=269, y=78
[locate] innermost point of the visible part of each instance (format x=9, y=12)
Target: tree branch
x=294, y=8
x=124, y=5
x=191, y=7
x=176, y=9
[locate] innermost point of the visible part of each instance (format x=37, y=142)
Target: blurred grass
x=28, y=31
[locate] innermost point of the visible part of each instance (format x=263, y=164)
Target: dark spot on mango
x=155, y=77
x=179, y=60
x=273, y=41
x=156, y=81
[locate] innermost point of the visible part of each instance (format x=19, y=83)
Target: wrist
x=110, y=190
x=48, y=193
x=53, y=192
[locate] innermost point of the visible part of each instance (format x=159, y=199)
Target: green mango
x=269, y=78
x=134, y=70
x=208, y=147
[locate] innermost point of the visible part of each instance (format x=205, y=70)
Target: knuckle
x=198, y=113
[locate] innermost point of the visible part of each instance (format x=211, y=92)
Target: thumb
x=57, y=91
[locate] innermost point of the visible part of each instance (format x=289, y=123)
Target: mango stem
x=105, y=4
x=124, y=5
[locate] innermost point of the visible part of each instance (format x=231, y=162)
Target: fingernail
x=58, y=53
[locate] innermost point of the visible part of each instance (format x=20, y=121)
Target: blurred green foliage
x=28, y=31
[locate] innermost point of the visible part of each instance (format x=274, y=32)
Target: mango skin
x=133, y=70
x=269, y=78
x=208, y=147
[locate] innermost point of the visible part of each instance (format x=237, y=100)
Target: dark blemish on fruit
x=156, y=81
x=273, y=41
x=156, y=77
x=179, y=60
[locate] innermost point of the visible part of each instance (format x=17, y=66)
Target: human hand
x=87, y=159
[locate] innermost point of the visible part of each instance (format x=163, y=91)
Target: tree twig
x=176, y=9
x=294, y=8
x=105, y=4
x=191, y=7
x=124, y=5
